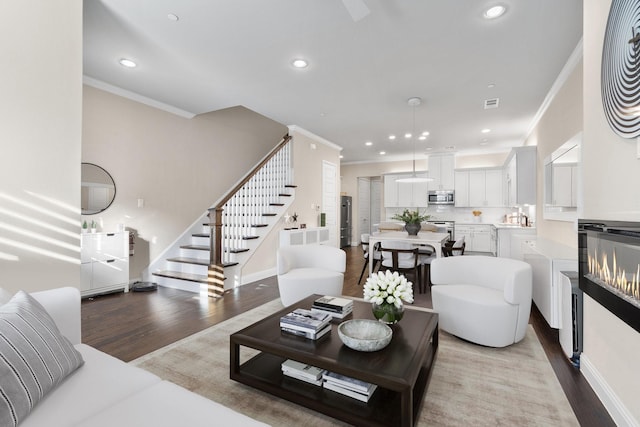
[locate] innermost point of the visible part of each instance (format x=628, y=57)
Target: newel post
x=215, y=280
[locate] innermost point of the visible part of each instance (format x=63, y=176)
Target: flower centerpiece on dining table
x=412, y=220
x=387, y=291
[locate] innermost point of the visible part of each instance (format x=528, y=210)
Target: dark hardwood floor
x=133, y=324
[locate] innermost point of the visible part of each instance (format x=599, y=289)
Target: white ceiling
x=223, y=53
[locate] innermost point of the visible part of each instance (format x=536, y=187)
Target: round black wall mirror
x=98, y=190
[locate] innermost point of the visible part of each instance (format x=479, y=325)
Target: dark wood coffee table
x=402, y=370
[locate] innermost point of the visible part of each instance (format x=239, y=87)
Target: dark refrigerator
x=345, y=221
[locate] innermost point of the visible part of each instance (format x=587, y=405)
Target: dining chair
x=427, y=254
x=377, y=256
x=402, y=257
x=454, y=248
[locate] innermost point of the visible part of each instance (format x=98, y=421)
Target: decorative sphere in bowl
x=364, y=334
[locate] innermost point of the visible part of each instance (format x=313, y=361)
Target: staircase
x=209, y=256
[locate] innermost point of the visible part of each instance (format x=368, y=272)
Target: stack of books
x=306, y=323
x=348, y=386
x=300, y=371
x=334, y=306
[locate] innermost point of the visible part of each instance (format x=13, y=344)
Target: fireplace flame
x=614, y=276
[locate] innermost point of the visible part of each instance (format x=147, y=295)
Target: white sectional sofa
x=105, y=391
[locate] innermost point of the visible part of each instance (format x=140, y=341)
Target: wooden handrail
x=234, y=190
x=216, y=265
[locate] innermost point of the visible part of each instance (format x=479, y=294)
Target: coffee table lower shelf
x=264, y=372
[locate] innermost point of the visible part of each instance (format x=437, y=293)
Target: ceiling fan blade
x=356, y=8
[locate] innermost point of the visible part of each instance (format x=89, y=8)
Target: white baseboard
x=619, y=413
x=260, y=275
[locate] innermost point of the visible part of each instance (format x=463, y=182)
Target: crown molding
x=99, y=84
x=298, y=129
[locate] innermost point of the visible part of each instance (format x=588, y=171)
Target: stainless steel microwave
x=440, y=197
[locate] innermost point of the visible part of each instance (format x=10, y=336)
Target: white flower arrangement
x=388, y=287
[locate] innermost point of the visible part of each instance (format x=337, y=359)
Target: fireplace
x=609, y=266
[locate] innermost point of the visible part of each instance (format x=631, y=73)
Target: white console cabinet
x=104, y=263
x=304, y=236
x=548, y=259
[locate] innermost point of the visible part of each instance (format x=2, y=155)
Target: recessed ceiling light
x=425, y=133
x=172, y=17
x=491, y=85
x=407, y=135
x=495, y=12
x=341, y=156
x=422, y=137
x=392, y=137
x=368, y=143
x=382, y=153
x=485, y=130
x=128, y=63
x=299, y=63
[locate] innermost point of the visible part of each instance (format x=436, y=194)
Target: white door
x=330, y=200
x=364, y=207
x=376, y=201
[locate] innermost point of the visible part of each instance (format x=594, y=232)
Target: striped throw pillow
x=34, y=357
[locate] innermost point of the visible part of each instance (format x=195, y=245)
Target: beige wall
x=611, y=173
x=180, y=167
x=41, y=110
x=560, y=122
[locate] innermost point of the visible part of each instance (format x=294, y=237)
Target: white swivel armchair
x=304, y=270
x=482, y=299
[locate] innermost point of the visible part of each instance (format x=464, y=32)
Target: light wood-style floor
x=133, y=324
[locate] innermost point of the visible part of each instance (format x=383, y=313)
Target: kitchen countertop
x=496, y=225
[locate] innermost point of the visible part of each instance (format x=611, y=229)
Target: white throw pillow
x=34, y=357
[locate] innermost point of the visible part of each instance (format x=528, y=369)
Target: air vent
x=491, y=103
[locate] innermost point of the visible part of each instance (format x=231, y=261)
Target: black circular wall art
x=621, y=68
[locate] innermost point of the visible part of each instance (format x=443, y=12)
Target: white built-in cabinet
x=479, y=188
x=441, y=172
x=304, y=236
x=404, y=194
x=520, y=176
x=104, y=263
x=564, y=183
x=477, y=238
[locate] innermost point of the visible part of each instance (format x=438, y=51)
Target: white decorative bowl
x=364, y=334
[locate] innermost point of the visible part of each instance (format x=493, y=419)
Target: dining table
x=432, y=238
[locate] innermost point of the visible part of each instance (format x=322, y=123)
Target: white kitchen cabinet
x=405, y=194
x=461, y=189
x=441, y=171
x=505, y=241
x=479, y=188
x=104, y=263
x=520, y=176
x=477, y=237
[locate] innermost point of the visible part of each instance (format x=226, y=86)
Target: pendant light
x=414, y=102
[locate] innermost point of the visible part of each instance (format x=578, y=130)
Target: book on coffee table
x=304, y=372
x=349, y=383
x=303, y=332
x=363, y=397
x=305, y=320
x=334, y=306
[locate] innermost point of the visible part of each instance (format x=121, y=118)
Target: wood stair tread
x=188, y=260
x=195, y=247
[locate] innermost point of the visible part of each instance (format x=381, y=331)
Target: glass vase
x=387, y=313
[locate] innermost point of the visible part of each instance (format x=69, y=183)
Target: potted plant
x=94, y=226
x=85, y=227
x=412, y=220
x=387, y=291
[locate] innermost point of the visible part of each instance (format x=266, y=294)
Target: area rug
x=471, y=385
